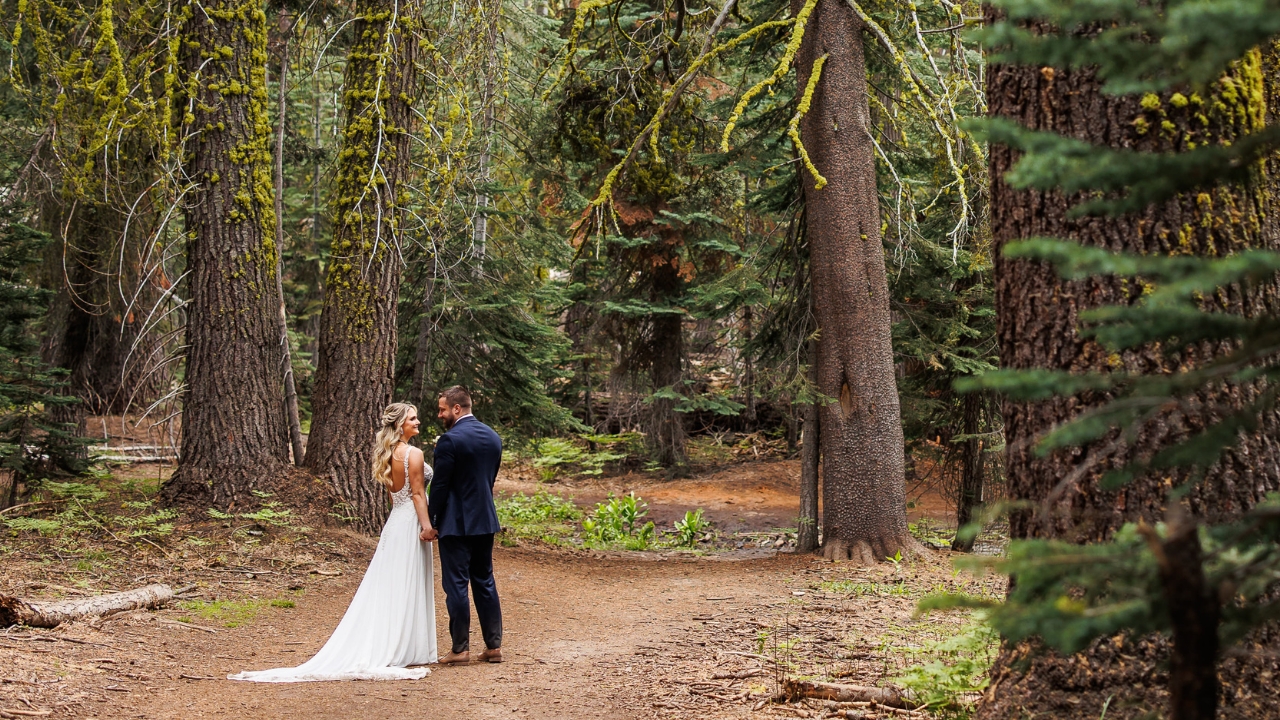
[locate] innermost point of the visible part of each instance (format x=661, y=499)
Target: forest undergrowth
x=243, y=568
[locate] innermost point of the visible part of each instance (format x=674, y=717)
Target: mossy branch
x=784, y=64
x=579, y=24
x=793, y=127
x=918, y=88
x=672, y=95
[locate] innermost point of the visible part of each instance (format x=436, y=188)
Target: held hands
x=428, y=534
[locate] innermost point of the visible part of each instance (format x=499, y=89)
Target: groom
x=463, y=517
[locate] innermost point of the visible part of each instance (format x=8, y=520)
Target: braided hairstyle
x=389, y=434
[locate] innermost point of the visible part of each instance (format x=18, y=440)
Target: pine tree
x=234, y=434
x=358, y=332
x=864, y=495
x=1147, y=432
x=32, y=440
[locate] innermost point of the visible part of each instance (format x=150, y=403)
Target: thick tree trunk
x=864, y=489
x=1037, y=318
x=969, y=496
x=810, y=458
x=233, y=434
x=664, y=429
x=290, y=390
x=90, y=332
x=16, y=611
x=422, y=350
x=354, y=373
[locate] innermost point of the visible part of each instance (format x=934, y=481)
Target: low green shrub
x=690, y=528
x=614, y=521
x=955, y=675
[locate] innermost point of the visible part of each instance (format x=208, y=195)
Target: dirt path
x=588, y=634
x=573, y=625
x=619, y=637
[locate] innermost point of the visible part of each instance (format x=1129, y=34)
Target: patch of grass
x=858, y=589
x=231, y=613
x=931, y=533
x=709, y=450
x=543, y=516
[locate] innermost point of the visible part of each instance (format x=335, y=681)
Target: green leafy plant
x=555, y=453
x=956, y=673
x=271, y=514
x=690, y=528
x=614, y=521
x=44, y=526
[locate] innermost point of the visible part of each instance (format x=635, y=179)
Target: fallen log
x=888, y=697
x=15, y=611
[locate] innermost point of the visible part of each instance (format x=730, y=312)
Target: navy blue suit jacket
x=466, y=465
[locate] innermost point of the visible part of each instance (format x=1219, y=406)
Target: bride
x=391, y=621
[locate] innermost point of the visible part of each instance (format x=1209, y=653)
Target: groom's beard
x=448, y=424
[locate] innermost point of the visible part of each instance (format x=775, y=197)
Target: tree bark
x=664, y=430
x=810, y=458
x=16, y=611
x=354, y=373
x=1037, y=318
x=90, y=330
x=233, y=437
x=290, y=390
x=1194, y=612
x=969, y=496
x=422, y=351
x=864, y=486
x=748, y=372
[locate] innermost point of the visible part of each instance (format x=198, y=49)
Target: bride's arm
x=417, y=489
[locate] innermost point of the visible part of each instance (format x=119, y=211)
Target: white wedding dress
x=391, y=622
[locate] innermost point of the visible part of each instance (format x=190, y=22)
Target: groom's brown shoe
x=493, y=655
x=454, y=658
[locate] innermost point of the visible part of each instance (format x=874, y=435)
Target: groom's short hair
x=457, y=395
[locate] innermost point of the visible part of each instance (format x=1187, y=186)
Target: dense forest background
x=1024, y=254
x=680, y=306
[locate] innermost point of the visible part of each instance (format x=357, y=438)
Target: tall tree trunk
x=1037, y=318
x=664, y=429
x=90, y=332
x=810, y=458
x=354, y=373
x=290, y=390
x=748, y=372
x=422, y=351
x=864, y=514
x=969, y=496
x=233, y=434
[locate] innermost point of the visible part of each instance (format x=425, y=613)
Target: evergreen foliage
x=1184, y=577
x=32, y=441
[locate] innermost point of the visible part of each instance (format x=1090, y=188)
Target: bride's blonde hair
x=389, y=434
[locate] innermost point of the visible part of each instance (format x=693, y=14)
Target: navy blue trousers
x=467, y=560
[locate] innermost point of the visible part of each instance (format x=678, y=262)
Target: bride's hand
x=428, y=534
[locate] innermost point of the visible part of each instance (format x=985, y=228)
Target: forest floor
x=588, y=633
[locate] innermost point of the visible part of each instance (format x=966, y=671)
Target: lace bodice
x=405, y=494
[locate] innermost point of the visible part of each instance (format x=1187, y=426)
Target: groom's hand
x=428, y=535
